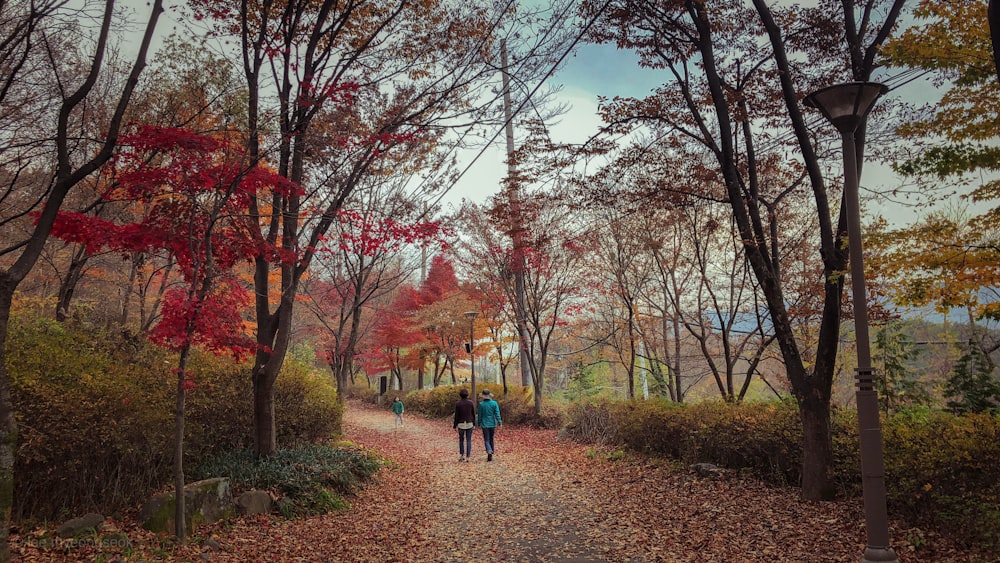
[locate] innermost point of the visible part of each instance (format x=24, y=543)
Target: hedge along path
x=545, y=500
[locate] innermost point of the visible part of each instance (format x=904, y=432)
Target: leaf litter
x=539, y=500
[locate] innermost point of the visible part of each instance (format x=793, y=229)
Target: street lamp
x=846, y=106
x=471, y=315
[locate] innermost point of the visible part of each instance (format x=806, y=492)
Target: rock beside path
x=88, y=523
x=205, y=502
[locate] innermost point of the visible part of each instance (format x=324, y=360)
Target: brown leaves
x=542, y=499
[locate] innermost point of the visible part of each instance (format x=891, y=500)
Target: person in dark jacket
x=489, y=421
x=465, y=421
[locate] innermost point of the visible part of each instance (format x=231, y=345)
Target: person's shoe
x=489, y=457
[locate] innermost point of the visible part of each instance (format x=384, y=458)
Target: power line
x=527, y=99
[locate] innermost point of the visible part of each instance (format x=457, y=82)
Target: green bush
x=95, y=415
x=942, y=470
x=846, y=472
x=313, y=477
x=656, y=426
x=94, y=418
x=595, y=423
x=438, y=402
x=307, y=409
x=219, y=412
x=763, y=437
x=517, y=406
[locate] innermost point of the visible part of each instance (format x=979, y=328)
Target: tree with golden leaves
x=950, y=259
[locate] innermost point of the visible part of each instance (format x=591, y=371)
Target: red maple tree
x=363, y=266
x=197, y=190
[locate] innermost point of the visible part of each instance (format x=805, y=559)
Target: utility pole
x=517, y=230
x=423, y=254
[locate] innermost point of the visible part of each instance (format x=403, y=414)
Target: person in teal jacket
x=397, y=409
x=489, y=420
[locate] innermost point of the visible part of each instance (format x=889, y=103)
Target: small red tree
x=198, y=189
x=421, y=326
x=397, y=339
x=440, y=316
x=364, y=266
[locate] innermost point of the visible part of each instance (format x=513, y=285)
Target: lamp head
x=846, y=105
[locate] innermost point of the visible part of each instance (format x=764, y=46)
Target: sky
x=603, y=70
x=593, y=71
x=590, y=72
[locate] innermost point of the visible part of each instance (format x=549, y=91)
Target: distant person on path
x=397, y=409
x=489, y=421
x=465, y=422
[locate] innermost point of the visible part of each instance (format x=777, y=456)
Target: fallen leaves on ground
x=539, y=500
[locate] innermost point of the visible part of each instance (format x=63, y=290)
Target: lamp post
x=846, y=106
x=471, y=315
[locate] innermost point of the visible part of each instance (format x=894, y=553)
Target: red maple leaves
x=367, y=235
x=188, y=197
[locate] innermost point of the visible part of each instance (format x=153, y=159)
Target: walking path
x=539, y=500
x=542, y=500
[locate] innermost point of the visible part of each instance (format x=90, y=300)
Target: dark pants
x=488, y=438
x=465, y=442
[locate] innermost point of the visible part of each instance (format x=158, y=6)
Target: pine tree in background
x=900, y=385
x=972, y=386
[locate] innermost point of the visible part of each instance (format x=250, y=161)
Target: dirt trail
x=513, y=508
x=542, y=500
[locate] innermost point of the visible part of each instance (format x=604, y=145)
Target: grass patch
x=313, y=478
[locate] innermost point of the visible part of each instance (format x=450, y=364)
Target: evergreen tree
x=582, y=383
x=900, y=385
x=972, y=386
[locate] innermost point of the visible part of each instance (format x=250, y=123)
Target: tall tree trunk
x=341, y=373
x=346, y=358
x=817, y=448
x=67, y=288
x=667, y=356
x=675, y=363
x=273, y=336
x=438, y=370
x=180, y=526
x=993, y=16
x=265, y=441
x=149, y=314
x=133, y=277
x=538, y=379
x=8, y=424
x=631, y=349
x=343, y=355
